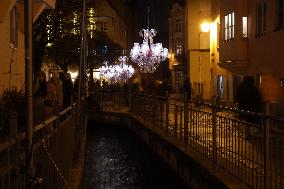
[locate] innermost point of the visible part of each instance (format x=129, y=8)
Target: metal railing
x=54, y=147
x=107, y=100
x=249, y=146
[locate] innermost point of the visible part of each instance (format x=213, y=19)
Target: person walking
x=57, y=83
x=67, y=89
x=44, y=98
x=249, y=99
x=187, y=88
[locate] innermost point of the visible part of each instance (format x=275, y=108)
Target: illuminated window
x=229, y=26
x=245, y=27
x=222, y=87
x=178, y=49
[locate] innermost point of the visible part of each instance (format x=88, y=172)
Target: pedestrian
x=67, y=89
x=57, y=83
x=248, y=96
x=187, y=88
x=43, y=98
x=249, y=99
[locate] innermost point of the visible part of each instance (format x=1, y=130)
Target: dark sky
x=159, y=13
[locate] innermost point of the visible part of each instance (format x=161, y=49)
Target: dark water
x=116, y=158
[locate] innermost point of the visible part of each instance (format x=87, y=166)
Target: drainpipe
x=28, y=87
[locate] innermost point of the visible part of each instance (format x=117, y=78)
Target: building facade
x=251, y=39
x=198, y=15
x=111, y=20
x=177, y=47
x=245, y=38
x=12, y=50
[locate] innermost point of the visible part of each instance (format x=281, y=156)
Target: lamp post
x=28, y=22
x=205, y=27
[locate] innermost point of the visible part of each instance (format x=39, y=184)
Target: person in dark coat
x=248, y=96
x=249, y=99
x=68, y=90
x=187, y=88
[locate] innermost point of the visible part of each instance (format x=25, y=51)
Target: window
x=178, y=25
x=280, y=14
x=104, y=26
x=229, y=26
x=200, y=89
x=245, y=27
x=14, y=23
x=178, y=49
x=237, y=80
x=178, y=80
x=222, y=87
x=260, y=18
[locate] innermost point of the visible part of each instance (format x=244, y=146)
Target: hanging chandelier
x=117, y=73
x=126, y=71
x=108, y=72
x=148, y=55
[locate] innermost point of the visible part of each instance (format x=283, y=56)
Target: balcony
x=234, y=66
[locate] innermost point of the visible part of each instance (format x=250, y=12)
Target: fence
x=108, y=100
x=248, y=146
x=55, y=142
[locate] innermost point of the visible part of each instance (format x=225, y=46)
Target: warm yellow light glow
x=74, y=75
x=96, y=74
x=49, y=44
x=171, y=55
x=205, y=27
x=213, y=31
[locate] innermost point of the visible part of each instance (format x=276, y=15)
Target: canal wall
x=194, y=169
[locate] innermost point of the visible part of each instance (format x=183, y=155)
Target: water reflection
x=116, y=158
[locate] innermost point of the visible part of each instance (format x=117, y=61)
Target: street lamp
x=205, y=27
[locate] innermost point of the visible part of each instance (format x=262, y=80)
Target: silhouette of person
x=249, y=99
x=187, y=88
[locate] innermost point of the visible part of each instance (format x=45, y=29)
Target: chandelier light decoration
x=108, y=72
x=117, y=73
x=126, y=71
x=148, y=55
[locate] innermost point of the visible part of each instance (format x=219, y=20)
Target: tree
x=53, y=30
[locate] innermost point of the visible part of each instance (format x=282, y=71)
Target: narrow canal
x=117, y=159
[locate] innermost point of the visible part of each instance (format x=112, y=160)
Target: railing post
x=144, y=106
x=167, y=112
x=267, y=148
x=130, y=101
x=13, y=124
x=176, y=120
x=161, y=112
x=185, y=123
x=214, y=129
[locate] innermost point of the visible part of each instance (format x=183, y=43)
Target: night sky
x=159, y=14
